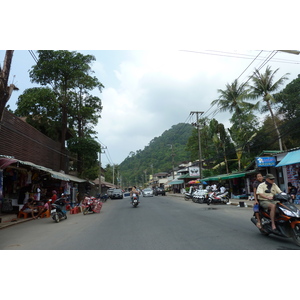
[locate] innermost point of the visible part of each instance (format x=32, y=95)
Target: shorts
x=265, y=203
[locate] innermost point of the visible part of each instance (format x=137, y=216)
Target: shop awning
x=54, y=174
x=224, y=177
x=176, y=182
x=290, y=159
x=188, y=176
x=58, y=175
x=6, y=161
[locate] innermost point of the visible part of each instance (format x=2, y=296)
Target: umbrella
x=204, y=182
x=194, y=182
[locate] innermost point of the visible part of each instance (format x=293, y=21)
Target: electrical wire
x=239, y=55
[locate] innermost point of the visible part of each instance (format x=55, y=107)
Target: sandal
x=258, y=225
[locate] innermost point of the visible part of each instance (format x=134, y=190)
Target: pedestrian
x=45, y=207
x=292, y=191
x=54, y=196
x=28, y=207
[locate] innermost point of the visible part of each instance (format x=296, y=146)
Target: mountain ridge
x=157, y=155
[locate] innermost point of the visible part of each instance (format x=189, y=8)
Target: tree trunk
x=5, y=91
x=63, y=137
x=275, y=125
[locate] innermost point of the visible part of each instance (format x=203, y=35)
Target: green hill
x=157, y=156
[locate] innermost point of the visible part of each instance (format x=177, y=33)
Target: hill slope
x=157, y=156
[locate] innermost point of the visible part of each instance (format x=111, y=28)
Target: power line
x=251, y=63
x=239, y=56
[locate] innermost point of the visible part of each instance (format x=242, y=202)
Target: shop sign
x=265, y=161
x=194, y=171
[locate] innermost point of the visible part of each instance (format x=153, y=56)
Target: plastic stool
x=45, y=214
x=22, y=213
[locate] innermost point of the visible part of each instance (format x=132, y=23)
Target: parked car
x=110, y=192
x=117, y=194
x=160, y=191
x=148, y=192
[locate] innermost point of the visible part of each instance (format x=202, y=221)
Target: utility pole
x=172, y=158
x=100, y=167
x=197, y=124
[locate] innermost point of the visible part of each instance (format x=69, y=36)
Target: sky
x=148, y=91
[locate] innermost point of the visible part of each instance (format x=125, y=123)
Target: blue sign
x=265, y=161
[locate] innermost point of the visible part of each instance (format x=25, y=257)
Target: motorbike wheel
x=208, y=202
x=296, y=235
x=85, y=211
x=56, y=218
x=201, y=200
x=66, y=217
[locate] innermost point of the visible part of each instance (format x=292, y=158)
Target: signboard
x=194, y=171
x=265, y=161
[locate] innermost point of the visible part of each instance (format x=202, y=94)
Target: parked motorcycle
x=91, y=205
x=134, y=201
x=200, y=196
x=58, y=210
x=214, y=197
x=188, y=196
x=287, y=219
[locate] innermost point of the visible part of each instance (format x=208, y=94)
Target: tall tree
x=41, y=110
x=5, y=90
x=64, y=71
x=263, y=84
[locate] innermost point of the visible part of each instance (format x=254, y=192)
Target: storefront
x=290, y=168
x=20, y=180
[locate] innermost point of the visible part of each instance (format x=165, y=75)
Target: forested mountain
x=157, y=156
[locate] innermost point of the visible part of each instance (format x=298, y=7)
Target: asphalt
x=12, y=219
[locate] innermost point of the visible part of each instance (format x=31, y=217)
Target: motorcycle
x=91, y=204
x=287, y=219
x=58, y=210
x=200, y=196
x=214, y=197
x=188, y=196
x=134, y=200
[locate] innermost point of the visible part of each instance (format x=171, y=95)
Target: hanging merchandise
x=67, y=189
x=7, y=205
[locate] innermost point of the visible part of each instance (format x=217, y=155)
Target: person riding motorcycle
x=265, y=193
x=134, y=191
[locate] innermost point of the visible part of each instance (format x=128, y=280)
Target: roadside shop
x=21, y=180
x=289, y=169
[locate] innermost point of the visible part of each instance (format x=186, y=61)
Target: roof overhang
x=290, y=159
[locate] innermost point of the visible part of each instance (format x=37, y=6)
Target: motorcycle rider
x=258, y=180
x=265, y=193
x=134, y=191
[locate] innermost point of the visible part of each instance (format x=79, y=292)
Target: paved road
x=160, y=223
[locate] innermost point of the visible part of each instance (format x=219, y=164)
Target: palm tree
x=263, y=85
x=233, y=99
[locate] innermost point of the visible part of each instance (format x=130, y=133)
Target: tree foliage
x=65, y=102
